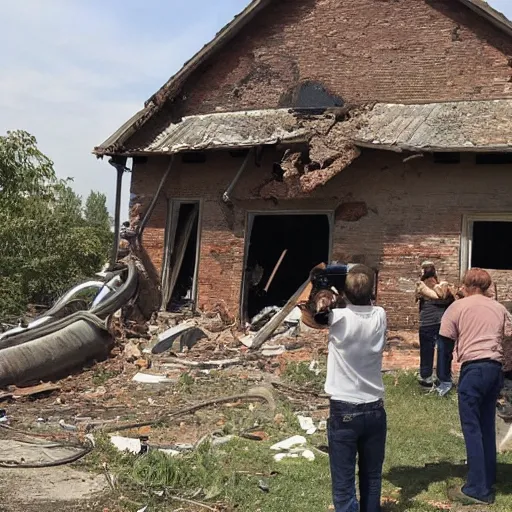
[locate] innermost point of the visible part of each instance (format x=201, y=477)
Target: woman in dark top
x=434, y=298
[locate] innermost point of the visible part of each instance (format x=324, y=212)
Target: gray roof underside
x=453, y=126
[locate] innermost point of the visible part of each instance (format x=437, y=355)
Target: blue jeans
x=445, y=348
x=480, y=384
x=356, y=430
x=428, y=339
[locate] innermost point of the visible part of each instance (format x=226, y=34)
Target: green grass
x=299, y=374
x=101, y=376
x=424, y=454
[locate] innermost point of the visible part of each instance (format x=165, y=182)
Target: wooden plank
x=266, y=331
x=35, y=390
x=276, y=268
x=173, y=213
x=181, y=249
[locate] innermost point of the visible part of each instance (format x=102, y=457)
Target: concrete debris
x=314, y=179
x=147, y=378
x=306, y=454
x=166, y=339
x=273, y=351
x=314, y=367
x=263, y=317
x=280, y=456
x=126, y=444
x=303, y=172
x=67, y=426
x=131, y=352
x=289, y=443
x=306, y=423
x=309, y=455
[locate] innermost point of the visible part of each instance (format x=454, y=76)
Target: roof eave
x=490, y=14
x=114, y=144
x=226, y=33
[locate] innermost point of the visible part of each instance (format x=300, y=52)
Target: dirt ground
x=104, y=395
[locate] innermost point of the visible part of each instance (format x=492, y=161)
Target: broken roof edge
x=153, y=104
x=492, y=15
x=401, y=148
x=113, y=146
x=385, y=126
x=226, y=33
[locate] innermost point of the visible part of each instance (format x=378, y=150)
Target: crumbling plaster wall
x=407, y=51
x=389, y=215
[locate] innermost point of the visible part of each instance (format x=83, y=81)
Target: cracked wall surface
x=388, y=215
x=359, y=51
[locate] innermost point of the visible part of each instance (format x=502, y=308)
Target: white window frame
x=466, y=243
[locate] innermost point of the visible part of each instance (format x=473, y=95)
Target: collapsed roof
x=453, y=126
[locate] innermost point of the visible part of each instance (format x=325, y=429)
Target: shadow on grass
x=414, y=480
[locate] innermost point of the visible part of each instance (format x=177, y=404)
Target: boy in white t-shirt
x=357, y=424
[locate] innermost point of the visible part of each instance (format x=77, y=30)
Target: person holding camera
x=477, y=325
x=357, y=424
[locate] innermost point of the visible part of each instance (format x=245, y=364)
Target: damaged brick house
x=311, y=130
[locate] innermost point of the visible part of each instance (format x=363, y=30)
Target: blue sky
x=74, y=70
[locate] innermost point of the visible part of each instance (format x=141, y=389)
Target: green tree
x=46, y=243
x=96, y=212
x=24, y=170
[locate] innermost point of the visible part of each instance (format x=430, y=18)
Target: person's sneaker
x=426, y=383
x=444, y=388
x=455, y=494
x=505, y=411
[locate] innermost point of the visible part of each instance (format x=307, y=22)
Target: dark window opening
x=193, y=157
x=238, y=153
x=310, y=95
x=140, y=160
x=493, y=158
x=447, y=158
x=180, y=258
x=492, y=245
x=282, y=251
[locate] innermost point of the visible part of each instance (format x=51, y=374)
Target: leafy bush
x=48, y=240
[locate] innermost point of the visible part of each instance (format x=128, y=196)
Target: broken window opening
x=493, y=158
x=491, y=245
x=447, y=158
x=281, y=251
x=193, y=157
x=179, y=274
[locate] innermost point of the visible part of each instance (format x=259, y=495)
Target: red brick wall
x=414, y=213
x=363, y=50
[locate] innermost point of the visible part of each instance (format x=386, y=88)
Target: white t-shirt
x=357, y=337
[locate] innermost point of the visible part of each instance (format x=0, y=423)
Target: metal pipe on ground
x=55, y=353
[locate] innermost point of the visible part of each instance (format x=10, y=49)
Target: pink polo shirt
x=478, y=325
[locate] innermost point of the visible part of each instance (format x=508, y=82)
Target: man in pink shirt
x=478, y=324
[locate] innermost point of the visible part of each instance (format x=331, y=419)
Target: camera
x=332, y=276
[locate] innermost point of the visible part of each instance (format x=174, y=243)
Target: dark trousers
x=445, y=348
x=429, y=338
x=357, y=431
x=480, y=384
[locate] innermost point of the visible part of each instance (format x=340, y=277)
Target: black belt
x=477, y=361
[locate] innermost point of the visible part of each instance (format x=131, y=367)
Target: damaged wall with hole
x=385, y=213
x=358, y=51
